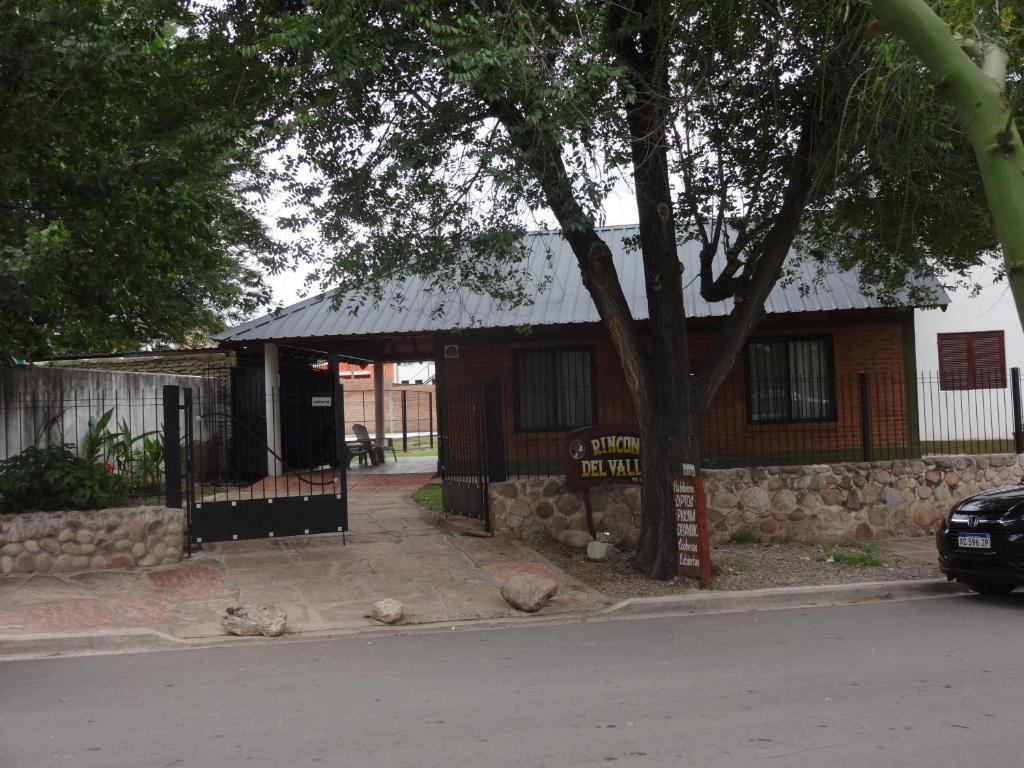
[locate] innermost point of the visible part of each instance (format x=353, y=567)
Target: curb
x=30, y=647
x=782, y=597
x=100, y=642
x=106, y=642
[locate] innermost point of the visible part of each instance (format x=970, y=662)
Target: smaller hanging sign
x=692, y=526
x=321, y=402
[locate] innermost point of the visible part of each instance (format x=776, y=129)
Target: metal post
x=272, y=392
x=439, y=386
x=430, y=417
x=1018, y=420
x=172, y=441
x=865, y=416
x=339, y=429
x=190, y=466
x=378, y=401
x=494, y=431
x=339, y=434
x=405, y=423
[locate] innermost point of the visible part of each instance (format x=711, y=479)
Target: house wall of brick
x=874, y=346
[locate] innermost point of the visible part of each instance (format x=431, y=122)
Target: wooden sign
x=601, y=455
x=692, y=526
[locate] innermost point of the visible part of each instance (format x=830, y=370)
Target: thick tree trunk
x=656, y=372
x=977, y=97
x=669, y=425
x=666, y=417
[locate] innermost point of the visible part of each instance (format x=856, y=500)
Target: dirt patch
x=740, y=566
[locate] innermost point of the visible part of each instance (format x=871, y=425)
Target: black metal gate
x=472, y=448
x=210, y=451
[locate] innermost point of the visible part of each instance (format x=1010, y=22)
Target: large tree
x=429, y=131
x=974, y=53
x=124, y=176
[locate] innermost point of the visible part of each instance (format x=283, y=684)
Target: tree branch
x=543, y=156
x=755, y=287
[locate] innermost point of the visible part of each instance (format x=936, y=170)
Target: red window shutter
x=954, y=361
x=974, y=360
x=989, y=360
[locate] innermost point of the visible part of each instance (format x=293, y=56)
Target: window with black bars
x=790, y=379
x=554, y=389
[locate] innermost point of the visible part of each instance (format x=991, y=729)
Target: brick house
x=824, y=347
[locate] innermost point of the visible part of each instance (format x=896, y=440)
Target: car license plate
x=974, y=541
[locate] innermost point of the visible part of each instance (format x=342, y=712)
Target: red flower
x=108, y=466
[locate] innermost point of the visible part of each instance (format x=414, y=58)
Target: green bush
x=44, y=479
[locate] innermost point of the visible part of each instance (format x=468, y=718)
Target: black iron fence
x=73, y=449
x=539, y=416
x=785, y=419
x=860, y=417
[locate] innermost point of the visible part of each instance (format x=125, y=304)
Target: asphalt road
x=934, y=682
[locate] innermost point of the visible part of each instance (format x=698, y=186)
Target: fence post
x=339, y=433
x=1018, y=420
x=172, y=441
x=405, y=423
x=865, y=416
x=494, y=431
x=430, y=417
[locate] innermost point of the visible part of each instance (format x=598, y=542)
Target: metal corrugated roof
x=559, y=297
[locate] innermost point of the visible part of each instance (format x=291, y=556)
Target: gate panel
x=226, y=502
x=472, y=448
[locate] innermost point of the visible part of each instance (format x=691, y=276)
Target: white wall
x=45, y=406
x=970, y=415
x=406, y=373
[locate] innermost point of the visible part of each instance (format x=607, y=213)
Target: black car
x=981, y=542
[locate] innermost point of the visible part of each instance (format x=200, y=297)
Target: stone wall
x=40, y=542
x=839, y=501
x=818, y=502
x=537, y=506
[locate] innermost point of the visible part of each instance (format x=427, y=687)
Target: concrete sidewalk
x=395, y=549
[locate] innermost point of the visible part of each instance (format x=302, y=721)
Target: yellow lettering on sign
x=627, y=444
x=624, y=467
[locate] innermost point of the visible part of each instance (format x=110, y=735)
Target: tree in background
x=975, y=55
x=127, y=180
x=430, y=132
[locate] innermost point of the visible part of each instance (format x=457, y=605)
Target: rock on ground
x=574, y=539
x=387, y=611
x=528, y=591
x=253, y=620
x=599, y=551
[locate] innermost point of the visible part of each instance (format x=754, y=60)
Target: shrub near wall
x=95, y=539
x=819, y=502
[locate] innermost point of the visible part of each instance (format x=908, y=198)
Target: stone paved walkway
x=395, y=549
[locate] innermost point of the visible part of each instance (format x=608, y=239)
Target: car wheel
x=991, y=588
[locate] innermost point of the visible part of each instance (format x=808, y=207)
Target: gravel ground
x=735, y=566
